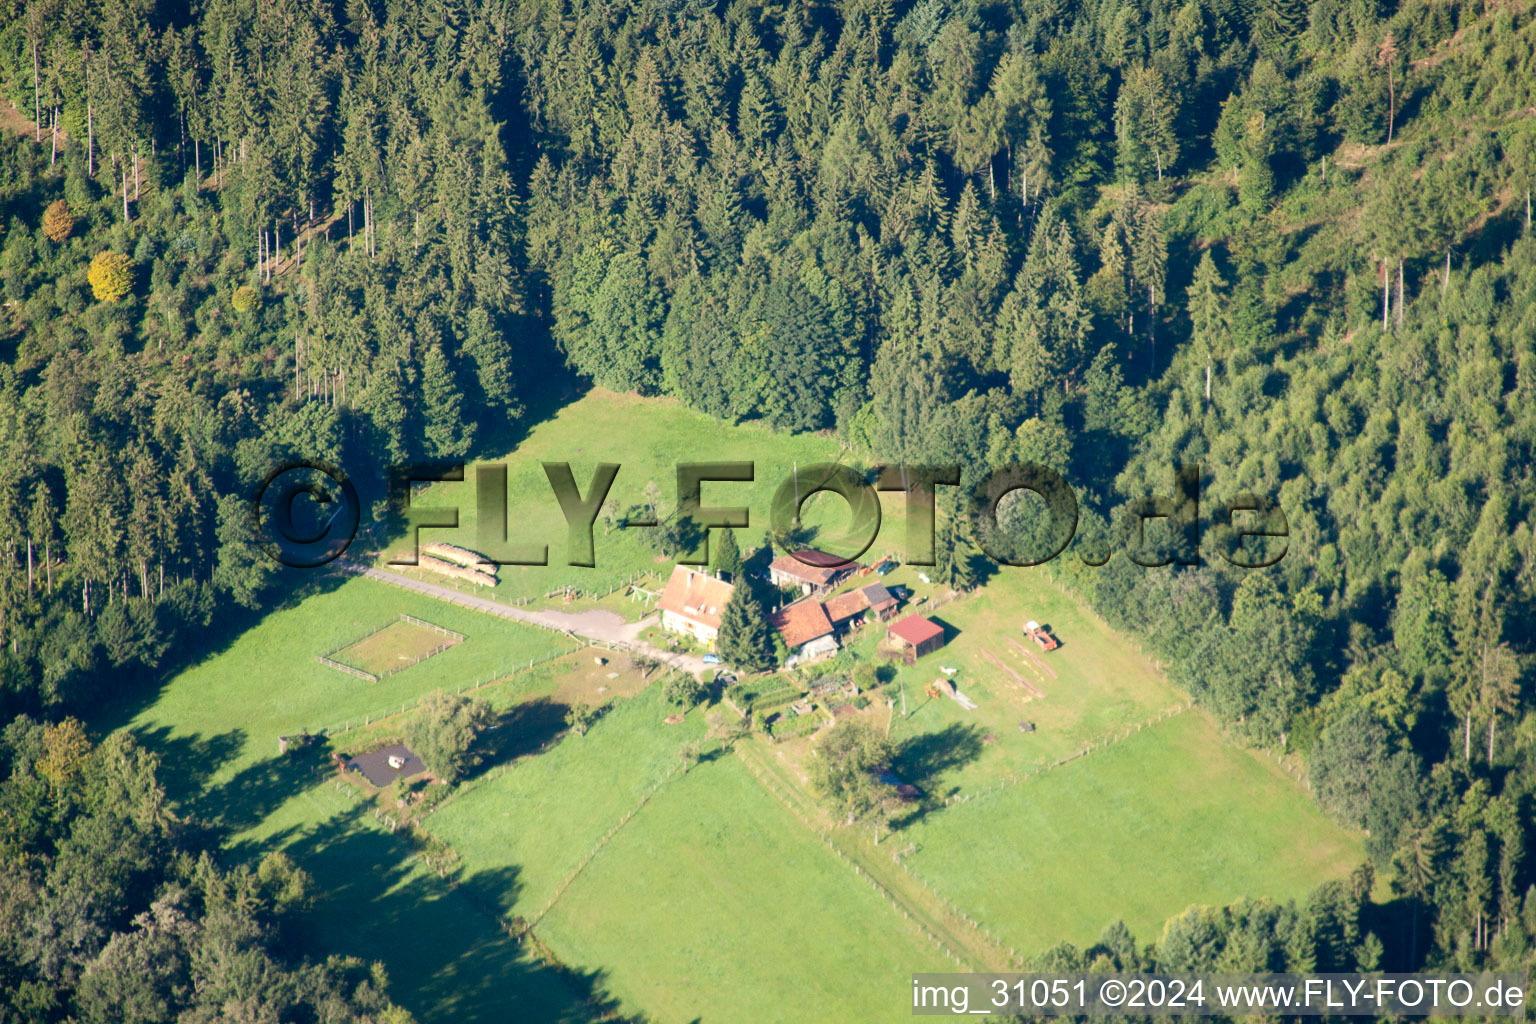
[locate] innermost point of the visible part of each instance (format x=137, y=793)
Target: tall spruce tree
x=728, y=555
x=746, y=638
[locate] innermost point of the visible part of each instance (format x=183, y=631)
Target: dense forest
x=1287, y=242
x=112, y=913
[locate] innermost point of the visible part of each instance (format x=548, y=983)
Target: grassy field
x=222, y=717
x=700, y=895
x=1094, y=684
x=215, y=727
x=396, y=646
x=1138, y=830
x=647, y=438
x=448, y=960
x=545, y=814
x=715, y=904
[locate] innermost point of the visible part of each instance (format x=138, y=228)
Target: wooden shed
x=916, y=635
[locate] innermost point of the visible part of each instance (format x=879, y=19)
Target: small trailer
x=1040, y=635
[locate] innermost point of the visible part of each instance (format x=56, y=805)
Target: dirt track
x=601, y=626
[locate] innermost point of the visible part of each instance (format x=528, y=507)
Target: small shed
x=881, y=601
x=916, y=634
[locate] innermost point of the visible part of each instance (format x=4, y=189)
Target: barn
x=916, y=636
x=809, y=571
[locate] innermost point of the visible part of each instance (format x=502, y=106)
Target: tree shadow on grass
x=523, y=729
x=924, y=760
x=982, y=568
x=926, y=757
x=186, y=762
x=446, y=947
x=244, y=800
x=195, y=645
x=258, y=790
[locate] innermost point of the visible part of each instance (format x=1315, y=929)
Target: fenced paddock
x=386, y=649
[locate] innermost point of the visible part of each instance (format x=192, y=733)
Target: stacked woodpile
x=459, y=563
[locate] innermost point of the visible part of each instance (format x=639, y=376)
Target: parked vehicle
x=1041, y=635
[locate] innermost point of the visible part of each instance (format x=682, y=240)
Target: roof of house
x=696, y=596
x=916, y=630
x=846, y=606
x=810, y=565
x=801, y=622
x=877, y=596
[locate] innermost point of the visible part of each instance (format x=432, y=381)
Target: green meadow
x=716, y=904
x=222, y=716
x=1137, y=830
x=697, y=894
x=541, y=817
x=647, y=439
x=447, y=957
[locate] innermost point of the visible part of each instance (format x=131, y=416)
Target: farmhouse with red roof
x=694, y=603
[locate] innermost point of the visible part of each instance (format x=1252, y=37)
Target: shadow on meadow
x=521, y=730
x=186, y=762
x=445, y=946
x=257, y=790
x=141, y=690
x=924, y=760
x=243, y=801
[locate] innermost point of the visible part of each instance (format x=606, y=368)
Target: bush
x=684, y=690
x=431, y=796
x=111, y=276
x=58, y=222
x=581, y=716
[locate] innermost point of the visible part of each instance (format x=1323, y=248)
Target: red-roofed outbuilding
x=801, y=622
x=918, y=634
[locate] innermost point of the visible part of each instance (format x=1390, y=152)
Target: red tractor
x=1040, y=635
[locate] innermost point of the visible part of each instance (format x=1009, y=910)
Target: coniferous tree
x=746, y=636
x=728, y=556
x=446, y=431
x=1208, y=315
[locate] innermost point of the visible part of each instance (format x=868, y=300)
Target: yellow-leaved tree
x=65, y=749
x=58, y=222
x=111, y=276
x=245, y=299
